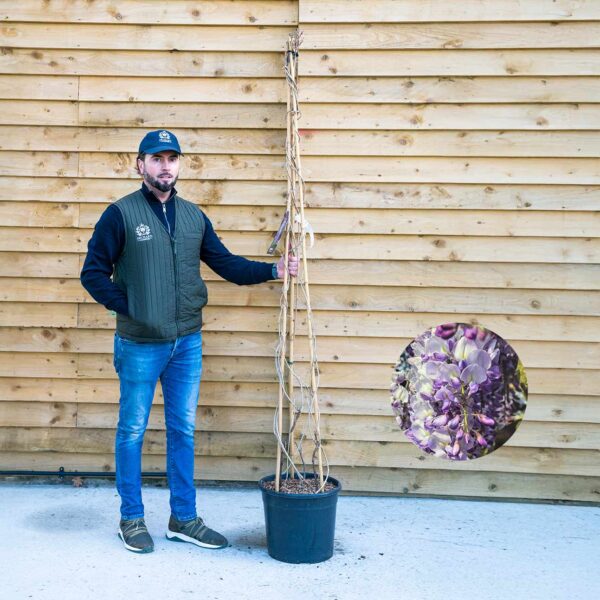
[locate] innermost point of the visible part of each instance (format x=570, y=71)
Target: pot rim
x=271, y=477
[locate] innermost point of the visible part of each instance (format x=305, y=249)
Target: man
x=150, y=242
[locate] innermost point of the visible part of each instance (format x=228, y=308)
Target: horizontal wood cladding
x=261, y=370
x=449, y=63
x=584, y=436
x=396, y=273
x=344, y=36
x=549, y=461
x=420, y=90
x=325, y=220
x=351, y=246
x=431, y=35
x=388, y=63
x=555, y=408
x=536, y=117
x=342, y=349
x=317, y=116
x=271, y=12
x=153, y=64
x=392, y=324
x=207, y=192
x=407, y=482
x=452, y=173
x=341, y=169
x=205, y=12
x=385, y=273
x=483, y=89
x=374, y=11
x=314, y=142
x=225, y=38
x=347, y=297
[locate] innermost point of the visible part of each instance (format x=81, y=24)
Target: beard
x=163, y=186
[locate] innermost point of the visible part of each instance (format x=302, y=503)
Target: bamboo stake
x=285, y=281
x=294, y=282
x=295, y=190
x=292, y=331
x=315, y=402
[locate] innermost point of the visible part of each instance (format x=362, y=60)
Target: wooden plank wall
x=451, y=157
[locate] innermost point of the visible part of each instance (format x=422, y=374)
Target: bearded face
x=161, y=170
x=164, y=183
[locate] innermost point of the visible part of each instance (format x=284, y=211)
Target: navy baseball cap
x=159, y=140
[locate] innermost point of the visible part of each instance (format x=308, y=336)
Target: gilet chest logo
x=142, y=233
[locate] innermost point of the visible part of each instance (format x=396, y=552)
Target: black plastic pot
x=300, y=527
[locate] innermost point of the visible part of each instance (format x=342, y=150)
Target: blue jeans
x=139, y=365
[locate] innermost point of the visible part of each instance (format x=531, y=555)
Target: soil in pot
x=299, y=486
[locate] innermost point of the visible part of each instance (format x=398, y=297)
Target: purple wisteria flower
x=458, y=391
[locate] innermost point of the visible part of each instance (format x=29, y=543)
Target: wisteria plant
x=458, y=391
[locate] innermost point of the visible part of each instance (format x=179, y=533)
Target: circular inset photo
x=459, y=391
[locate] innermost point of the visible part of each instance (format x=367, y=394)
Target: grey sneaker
x=135, y=536
x=196, y=532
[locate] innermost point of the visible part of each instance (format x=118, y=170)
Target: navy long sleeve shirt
x=108, y=240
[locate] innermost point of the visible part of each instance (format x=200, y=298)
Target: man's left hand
x=292, y=266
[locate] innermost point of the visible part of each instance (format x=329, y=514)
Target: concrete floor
x=59, y=542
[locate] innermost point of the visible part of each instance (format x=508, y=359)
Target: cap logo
x=164, y=136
